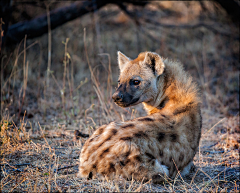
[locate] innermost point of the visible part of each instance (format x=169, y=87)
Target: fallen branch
x=65, y=167
x=78, y=134
x=187, y=26
x=39, y=26
x=133, y=15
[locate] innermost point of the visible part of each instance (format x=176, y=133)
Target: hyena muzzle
x=155, y=146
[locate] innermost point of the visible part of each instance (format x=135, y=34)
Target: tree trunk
x=232, y=8
x=39, y=26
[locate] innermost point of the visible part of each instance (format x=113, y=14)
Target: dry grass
x=42, y=108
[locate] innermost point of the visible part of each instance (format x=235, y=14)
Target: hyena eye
x=136, y=82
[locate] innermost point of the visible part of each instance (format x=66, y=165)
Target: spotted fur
x=154, y=146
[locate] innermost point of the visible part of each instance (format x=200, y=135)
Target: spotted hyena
x=154, y=146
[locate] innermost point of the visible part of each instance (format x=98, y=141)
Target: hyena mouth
x=127, y=104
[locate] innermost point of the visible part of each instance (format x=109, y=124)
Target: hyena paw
x=188, y=169
x=162, y=174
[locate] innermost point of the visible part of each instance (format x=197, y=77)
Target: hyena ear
x=155, y=62
x=122, y=60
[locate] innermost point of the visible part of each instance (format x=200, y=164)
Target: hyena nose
x=117, y=96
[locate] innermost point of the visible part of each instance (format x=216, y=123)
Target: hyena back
x=162, y=143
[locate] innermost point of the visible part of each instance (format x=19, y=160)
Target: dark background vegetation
x=59, y=70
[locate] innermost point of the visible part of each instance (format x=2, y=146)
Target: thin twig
x=17, y=185
x=109, y=70
x=181, y=175
x=213, y=126
x=24, y=72
x=65, y=167
x=78, y=134
x=15, y=63
x=211, y=179
x=49, y=43
x=95, y=82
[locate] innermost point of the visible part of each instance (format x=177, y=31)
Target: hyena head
x=138, y=80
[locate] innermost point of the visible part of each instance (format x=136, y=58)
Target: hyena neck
x=175, y=88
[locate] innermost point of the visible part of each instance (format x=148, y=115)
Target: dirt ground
x=41, y=109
